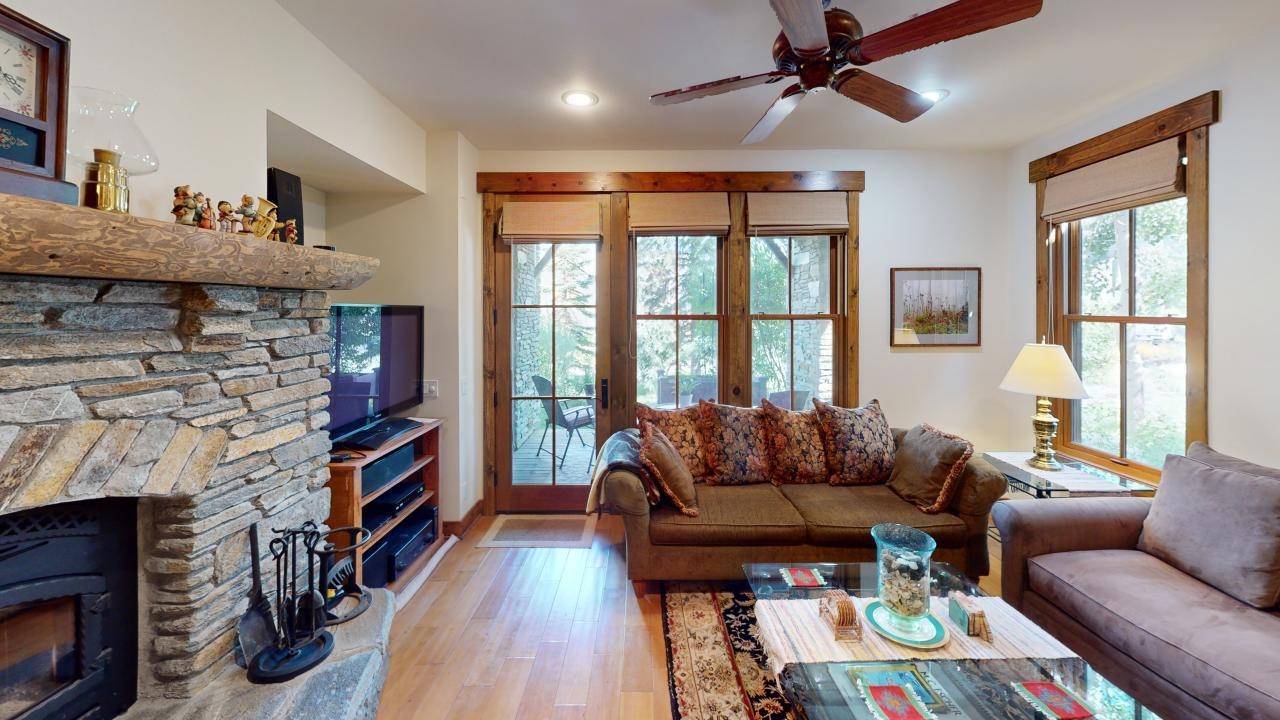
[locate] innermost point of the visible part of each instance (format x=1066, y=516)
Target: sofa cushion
x=1211, y=645
x=737, y=452
x=746, y=515
x=844, y=515
x=928, y=466
x=795, y=445
x=1220, y=526
x=1207, y=455
x=661, y=459
x=858, y=443
x=683, y=428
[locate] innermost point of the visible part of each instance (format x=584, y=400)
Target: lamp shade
x=103, y=120
x=1044, y=370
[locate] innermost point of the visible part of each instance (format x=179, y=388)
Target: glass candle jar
x=902, y=583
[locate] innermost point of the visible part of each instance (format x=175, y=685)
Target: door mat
x=540, y=531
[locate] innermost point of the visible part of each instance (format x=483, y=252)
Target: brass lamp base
x=1043, y=456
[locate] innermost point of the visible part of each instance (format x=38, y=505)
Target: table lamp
x=1045, y=371
x=103, y=135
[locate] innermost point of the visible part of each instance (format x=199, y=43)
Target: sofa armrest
x=1030, y=528
x=981, y=486
x=624, y=492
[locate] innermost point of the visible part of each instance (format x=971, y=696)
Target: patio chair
x=572, y=419
x=790, y=399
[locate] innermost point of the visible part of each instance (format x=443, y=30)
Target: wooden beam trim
x=1197, y=338
x=1169, y=123
x=611, y=182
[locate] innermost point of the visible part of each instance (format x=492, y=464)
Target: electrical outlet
x=431, y=389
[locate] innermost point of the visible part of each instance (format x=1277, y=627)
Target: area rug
x=540, y=531
x=715, y=661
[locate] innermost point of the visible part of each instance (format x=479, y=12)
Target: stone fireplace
x=204, y=402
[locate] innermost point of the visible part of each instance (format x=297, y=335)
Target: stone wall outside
x=207, y=402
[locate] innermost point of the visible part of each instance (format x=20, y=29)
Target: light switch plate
x=431, y=389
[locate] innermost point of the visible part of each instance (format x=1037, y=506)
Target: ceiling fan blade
x=949, y=22
x=877, y=93
x=804, y=25
x=715, y=87
x=776, y=113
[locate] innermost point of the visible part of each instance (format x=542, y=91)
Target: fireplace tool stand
x=302, y=642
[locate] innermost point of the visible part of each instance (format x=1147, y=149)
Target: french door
x=552, y=384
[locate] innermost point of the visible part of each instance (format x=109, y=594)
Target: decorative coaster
x=929, y=633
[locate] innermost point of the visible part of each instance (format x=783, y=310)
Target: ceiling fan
x=817, y=41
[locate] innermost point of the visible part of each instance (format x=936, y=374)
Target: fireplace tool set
x=307, y=599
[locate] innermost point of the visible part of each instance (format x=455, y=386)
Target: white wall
x=430, y=257
x=1244, y=152
x=313, y=216
x=919, y=209
x=206, y=74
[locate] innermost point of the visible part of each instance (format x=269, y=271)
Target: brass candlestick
x=1045, y=426
x=106, y=184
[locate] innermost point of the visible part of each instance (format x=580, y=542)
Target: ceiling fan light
x=935, y=96
x=579, y=98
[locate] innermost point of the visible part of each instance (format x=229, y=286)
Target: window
x=1125, y=326
x=677, y=319
x=792, y=320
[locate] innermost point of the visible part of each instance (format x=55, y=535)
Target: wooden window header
x=687, y=213
x=807, y=213
x=1135, y=178
x=644, y=182
x=1170, y=123
x=537, y=222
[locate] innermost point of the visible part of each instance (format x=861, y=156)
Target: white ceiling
x=495, y=69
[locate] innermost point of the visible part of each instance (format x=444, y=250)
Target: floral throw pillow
x=796, y=454
x=737, y=448
x=858, y=443
x=683, y=429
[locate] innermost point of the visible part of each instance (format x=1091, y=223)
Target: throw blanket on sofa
x=620, y=452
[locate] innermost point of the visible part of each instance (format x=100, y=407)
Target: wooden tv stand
x=347, y=499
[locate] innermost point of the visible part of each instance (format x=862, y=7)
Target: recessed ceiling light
x=935, y=96
x=579, y=98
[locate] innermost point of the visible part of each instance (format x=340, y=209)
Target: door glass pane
x=655, y=275
x=656, y=362
x=1104, y=264
x=532, y=437
x=771, y=360
x=811, y=275
x=531, y=274
x=1160, y=259
x=698, y=275
x=576, y=274
x=530, y=351
x=1157, y=392
x=769, y=275
x=814, y=362
x=699, y=349
x=575, y=352
x=37, y=652
x=1097, y=358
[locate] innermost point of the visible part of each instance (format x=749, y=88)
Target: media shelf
x=348, y=500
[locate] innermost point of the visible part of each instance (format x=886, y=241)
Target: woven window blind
x=798, y=213
x=1142, y=176
x=541, y=222
x=695, y=213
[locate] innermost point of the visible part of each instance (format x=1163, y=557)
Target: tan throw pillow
x=683, y=428
x=1218, y=525
x=661, y=458
x=928, y=467
x=736, y=444
x=857, y=442
x=796, y=456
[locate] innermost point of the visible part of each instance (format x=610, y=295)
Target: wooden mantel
x=38, y=237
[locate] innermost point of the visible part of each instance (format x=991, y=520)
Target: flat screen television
x=377, y=365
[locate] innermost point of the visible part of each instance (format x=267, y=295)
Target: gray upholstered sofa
x=792, y=523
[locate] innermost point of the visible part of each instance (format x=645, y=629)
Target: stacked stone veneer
x=208, y=402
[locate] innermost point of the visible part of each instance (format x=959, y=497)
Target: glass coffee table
x=950, y=689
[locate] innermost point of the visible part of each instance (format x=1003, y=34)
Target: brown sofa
x=1184, y=648
x=792, y=523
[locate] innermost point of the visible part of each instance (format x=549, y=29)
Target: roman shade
x=541, y=222
x=694, y=213
x=1135, y=178
x=797, y=213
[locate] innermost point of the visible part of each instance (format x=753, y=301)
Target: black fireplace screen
x=68, y=611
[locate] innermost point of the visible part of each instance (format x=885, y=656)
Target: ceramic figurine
x=184, y=206
x=204, y=211
x=291, y=231
x=264, y=221
x=226, y=216
x=247, y=213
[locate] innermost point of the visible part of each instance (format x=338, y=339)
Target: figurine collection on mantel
x=197, y=209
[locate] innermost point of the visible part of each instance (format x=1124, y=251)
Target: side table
x=1075, y=479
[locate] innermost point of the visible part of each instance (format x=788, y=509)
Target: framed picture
x=935, y=306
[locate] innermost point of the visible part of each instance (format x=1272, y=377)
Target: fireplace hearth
x=68, y=610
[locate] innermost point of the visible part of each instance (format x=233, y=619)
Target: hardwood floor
x=534, y=633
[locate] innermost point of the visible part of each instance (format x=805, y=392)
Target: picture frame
x=935, y=306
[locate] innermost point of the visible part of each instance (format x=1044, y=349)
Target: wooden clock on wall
x=33, y=109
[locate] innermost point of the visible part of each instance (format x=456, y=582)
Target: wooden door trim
x=615, y=182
